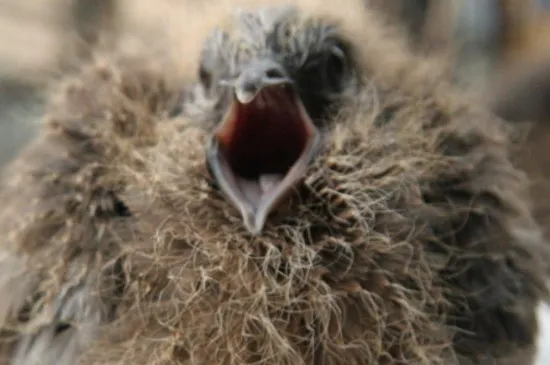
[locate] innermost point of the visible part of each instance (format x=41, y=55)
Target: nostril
x=250, y=86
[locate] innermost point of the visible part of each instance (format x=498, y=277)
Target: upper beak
x=264, y=145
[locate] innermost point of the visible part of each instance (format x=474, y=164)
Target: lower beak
x=261, y=151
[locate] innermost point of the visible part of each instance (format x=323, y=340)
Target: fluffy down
x=411, y=242
x=60, y=211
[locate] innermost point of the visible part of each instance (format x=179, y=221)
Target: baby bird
x=316, y=194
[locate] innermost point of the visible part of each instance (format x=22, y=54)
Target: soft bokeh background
x=489, y=41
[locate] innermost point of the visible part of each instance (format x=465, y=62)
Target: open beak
x=263, y=146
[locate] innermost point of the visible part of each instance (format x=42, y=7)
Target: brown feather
x=411, y=242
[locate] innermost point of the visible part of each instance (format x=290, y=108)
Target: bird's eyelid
x=339, y=52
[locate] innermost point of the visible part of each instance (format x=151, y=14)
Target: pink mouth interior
x=263, y=141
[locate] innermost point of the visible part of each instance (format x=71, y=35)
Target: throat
x=265, y=145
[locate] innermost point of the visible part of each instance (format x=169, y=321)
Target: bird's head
x=271, y=80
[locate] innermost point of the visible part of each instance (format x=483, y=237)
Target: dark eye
x=335, y=67
x=205, y=77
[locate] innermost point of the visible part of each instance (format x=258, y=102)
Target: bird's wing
x=61, y=219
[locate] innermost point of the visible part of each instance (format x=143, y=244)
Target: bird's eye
x=335, y=67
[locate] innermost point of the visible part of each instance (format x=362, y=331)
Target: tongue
x=269, y=182
x=255, y=190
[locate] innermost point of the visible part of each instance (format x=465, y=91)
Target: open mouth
x=261, y=150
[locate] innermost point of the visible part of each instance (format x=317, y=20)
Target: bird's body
x=409, y=239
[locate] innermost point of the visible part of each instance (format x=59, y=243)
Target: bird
x=310, y=192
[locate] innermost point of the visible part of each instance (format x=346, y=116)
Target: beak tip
x=253, y=223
